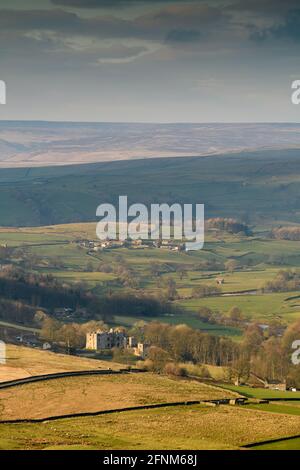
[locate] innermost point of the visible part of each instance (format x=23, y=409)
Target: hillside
x=100, y=393
x=25, y=362
x=194, y=426
x=225, y=184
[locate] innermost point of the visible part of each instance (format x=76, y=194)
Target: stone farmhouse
x=105, y=339
x=115, y=338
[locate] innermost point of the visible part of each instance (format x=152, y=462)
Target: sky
x=150, y=60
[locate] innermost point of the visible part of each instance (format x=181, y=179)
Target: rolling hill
x=261, y=188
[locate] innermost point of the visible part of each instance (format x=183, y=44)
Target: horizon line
x=50, y=121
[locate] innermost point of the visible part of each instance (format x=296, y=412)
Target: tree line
x=46, y=292
x=229, y=225
x=256, y=355
x=286, y=233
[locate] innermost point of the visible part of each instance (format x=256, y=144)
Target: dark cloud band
x=177, y=23
x=106, y=3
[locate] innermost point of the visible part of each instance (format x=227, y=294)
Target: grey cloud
x=118, y=53
x=155, y=25
x=62, y=22
x=270, y=7
x=56, y=55
x=24, y=20
x=183, y=36
x=106, y=3
x=287, y=29
x=290, y=29
x=183, y=16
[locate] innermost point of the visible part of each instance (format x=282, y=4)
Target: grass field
x=290, y=444
x=191, y=427
x=263, y=307
x=24, y=362
x=18, y=327
x=52, y=243
x=277, y=407
x=189, y=319
x=252, y=392
x=91, y=279
x=98, y=393
x=196, y=427
x=286, y=408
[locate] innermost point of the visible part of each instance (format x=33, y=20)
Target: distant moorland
x=259, y=188
x=39, y=143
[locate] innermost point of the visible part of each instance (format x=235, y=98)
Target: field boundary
x=61, y=375
x=103, y=412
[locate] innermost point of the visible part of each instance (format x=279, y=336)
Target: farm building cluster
x=94, y=246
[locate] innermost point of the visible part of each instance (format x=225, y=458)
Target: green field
x=252, y=392
x=281, y=407
x=56, y=244
x=263, y=307
x=290, y=444
x=195, y=427
x=188, y=319
x=18, y=327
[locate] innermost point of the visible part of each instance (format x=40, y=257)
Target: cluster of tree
x=181, y=343
x=157, y=269
x=209, y=265
x=172, y=293
x=291, y=334
x=40, y=290
x=231, y=265
x=135, y=305
x=46, y=292
x=21, y=257
x=234, y=317
x=228, y=225
x=284, y=281
x=257, y=355
x=104, y=268
x=127, y=276
x=5, y=253
x=204, y=290
x=286, y=233
x=16, y=312
x=217, y=265
x=267, y=358
x=72, y=335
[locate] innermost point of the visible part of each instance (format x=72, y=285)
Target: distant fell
x=35, y=144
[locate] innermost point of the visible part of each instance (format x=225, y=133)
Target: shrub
x=174, y=369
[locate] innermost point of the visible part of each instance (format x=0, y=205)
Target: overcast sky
x=151, y=60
